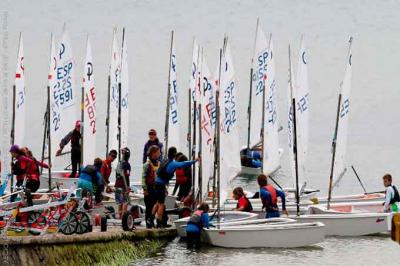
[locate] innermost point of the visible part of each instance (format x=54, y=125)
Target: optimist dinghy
x=280, y=235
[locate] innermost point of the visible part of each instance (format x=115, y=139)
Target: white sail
x=229, y=135
x=259, y=65
x=208, y=120
x=20, y=97
x=89, y=111
x=115, y=71
x=302, y=111
x=55, y=127
x=124, y=95
x=341, y=138
x=65, y=94
x=271, y=138
x=174, y=122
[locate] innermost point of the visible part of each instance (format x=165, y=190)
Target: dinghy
x=290, y=235
x=340, y=223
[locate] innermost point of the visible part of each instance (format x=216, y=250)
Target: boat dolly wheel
x=83, y=222
x=128, y=222
x=68, y=225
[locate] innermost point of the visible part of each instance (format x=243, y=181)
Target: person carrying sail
x=244, y=203
x=392, y=200
x=75, y=137
x=165, y=173
x=269, y=197
x=153, y=140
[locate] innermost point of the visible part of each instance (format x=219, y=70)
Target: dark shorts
x=120, y=196
x=160, y=193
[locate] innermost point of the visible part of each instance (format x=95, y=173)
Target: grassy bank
x=117, y=252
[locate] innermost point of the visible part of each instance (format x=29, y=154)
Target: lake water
x=373, y=144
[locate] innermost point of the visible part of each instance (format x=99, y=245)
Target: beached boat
x=285, y=235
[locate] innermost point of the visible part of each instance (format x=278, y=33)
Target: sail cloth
x=64, y=94
x=208, y=120
x=259, y=65
x=124, y=93
x=115, y=71
x=271, y=138
x=343, y=122
x=174, y=122
x=20, y=96
x=89, y=111
x=302, y=111
x=229, y=135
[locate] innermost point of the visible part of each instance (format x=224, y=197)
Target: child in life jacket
x=392, y=199
x=244, y=203
x=196, y=223
x=183, y=179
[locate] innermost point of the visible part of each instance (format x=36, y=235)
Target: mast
x=216, y=171
x=334, y=141
x=108, y=115
x=194, y=142
x=294, y=136
x=219, y=136
x=201, y=89
x=251, y=88
x=168, y=95
x=120, y=98
x=48, y=119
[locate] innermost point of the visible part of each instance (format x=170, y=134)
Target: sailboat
x=343, y=222
x=226, y=138
x=18, y=105
x=62, y=108
x=262, y=74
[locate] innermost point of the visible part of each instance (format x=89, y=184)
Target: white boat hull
x=230, y=216
x=348, y=224
x=267, y=236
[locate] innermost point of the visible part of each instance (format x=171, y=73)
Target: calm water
x=373, y=145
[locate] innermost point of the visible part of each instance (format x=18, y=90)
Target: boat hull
x=348, y=224
x=268, y=236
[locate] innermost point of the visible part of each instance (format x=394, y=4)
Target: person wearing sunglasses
x=106, y=168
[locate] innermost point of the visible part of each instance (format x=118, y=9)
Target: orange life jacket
x=151, y=176
x=272, y=191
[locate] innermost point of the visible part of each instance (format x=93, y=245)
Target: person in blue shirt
x=90, y=179
x=165, y=173
x=196, y=223
x=269, y=197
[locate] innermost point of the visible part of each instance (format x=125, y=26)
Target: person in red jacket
x=183, y=178
x=244, y=203
x=106, y=168
x=33, y=173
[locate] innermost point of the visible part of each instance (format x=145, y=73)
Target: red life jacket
x=272, y=191
x=151, y=174
x=181, y=178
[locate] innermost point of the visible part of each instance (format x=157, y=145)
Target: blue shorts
x=272, y=214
